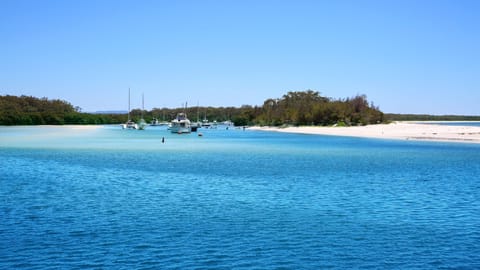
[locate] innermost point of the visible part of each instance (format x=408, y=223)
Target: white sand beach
x=396, y=130
x=75, y=127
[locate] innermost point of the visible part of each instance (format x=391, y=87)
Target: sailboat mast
x=198, y=113
x=142, y=106
x=129, y=104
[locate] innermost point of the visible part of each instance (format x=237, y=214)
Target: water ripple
x=300, y=202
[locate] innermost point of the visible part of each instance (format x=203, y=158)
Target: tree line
x=294, y=108
x=27, y=110
x=310, y=108
x=427, y=117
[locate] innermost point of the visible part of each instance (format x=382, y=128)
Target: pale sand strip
x=77, y=127
x=396, y=130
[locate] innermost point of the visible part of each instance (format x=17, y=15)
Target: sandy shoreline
x=77, y=127
x=396, y=130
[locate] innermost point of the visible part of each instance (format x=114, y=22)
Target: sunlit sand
x=76, y=127
x=396, y=130
x=45, y=134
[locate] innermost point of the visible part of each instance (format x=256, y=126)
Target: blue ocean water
x=108, y=198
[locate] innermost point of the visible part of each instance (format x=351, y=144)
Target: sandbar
x=76, y=127
x=396, y=130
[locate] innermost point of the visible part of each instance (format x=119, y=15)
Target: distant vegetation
x=426, y=117
x=309, y=108
x=26, y=110
x=294, y=108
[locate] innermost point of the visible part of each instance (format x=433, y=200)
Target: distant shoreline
x=417, y=130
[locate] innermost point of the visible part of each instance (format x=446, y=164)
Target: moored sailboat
x=142, y=124
x=129, y=124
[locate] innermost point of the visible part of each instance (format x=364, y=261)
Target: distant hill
x=110, y=112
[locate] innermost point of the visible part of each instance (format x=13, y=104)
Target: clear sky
x=416, y=56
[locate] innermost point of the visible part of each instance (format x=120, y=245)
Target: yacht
x=181, y=124
x=129, y=124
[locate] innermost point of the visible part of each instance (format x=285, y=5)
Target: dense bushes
x=26, y=110
x=309, y=108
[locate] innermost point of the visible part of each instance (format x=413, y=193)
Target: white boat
x=155, y=122
x=205, y=122
x=129, y=124
x=195, y=126
x=181, y=124
x=228, y=123
x=142, y=124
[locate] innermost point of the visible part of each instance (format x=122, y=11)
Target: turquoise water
x=455, y=123
x=115, y=199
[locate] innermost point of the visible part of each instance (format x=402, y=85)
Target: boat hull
x=180, y=130
x=142, y=124
x=129, y=125
x=181, y=124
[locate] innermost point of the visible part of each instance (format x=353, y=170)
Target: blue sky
x=407, y=56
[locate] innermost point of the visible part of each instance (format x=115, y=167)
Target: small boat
x=195, y=126
x=181, y=124
x=129, y=124
x=142, y=124
x=205, y=123
x=155, y=122
x=228, y=123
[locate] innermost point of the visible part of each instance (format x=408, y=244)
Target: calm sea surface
x=108, y=198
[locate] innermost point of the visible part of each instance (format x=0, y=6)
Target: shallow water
x=454, y=123
x=234, y=199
